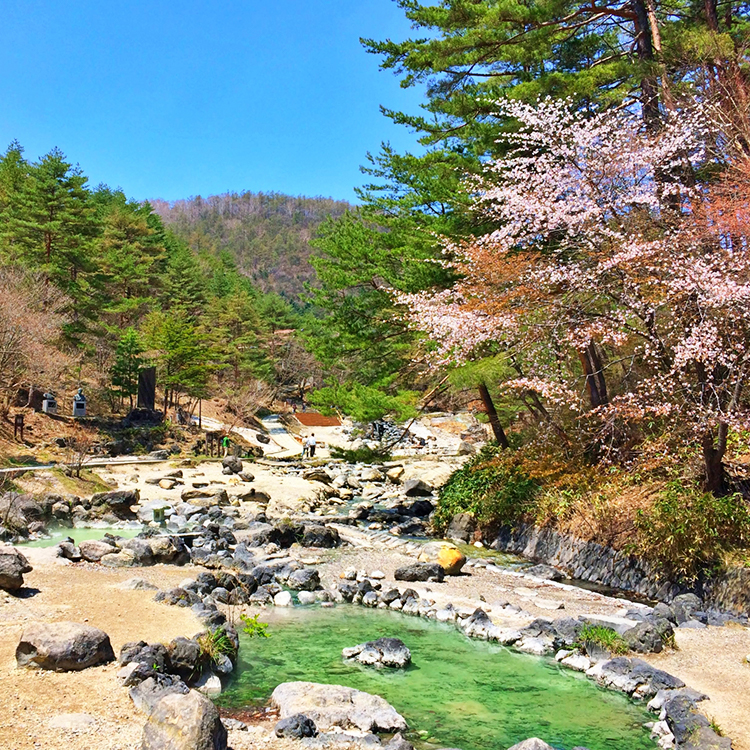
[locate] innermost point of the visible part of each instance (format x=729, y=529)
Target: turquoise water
x=56, y=535
x=458, y=692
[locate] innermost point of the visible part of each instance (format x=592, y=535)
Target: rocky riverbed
x=336, y=539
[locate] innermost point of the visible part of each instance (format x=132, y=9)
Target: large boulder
x=420, y=572
x=461, y=527
x=332, y=706
x=532, y=744
x=644, y=638
x=118, y=501
x=305, y=579
x=383, y=652
x=63, y=646
x=320, y=536
x=184, y=722
x=232, y=463
x=416, y=488
x=94, y=550
x=12, y=567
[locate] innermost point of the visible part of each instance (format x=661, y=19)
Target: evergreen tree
x=184, y=287
x=128, y=363
x=131, y=257
x=183, y=358
x=236, y=332
x=49, y=225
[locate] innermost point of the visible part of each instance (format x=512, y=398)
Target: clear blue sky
x=188, y=97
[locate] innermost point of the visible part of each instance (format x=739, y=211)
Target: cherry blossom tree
x=616, y=282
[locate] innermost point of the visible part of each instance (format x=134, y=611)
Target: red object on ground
x=313, y=419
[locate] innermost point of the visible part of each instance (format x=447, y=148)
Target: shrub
x=604, y=637
x=492, y=490
x=253, y=628
x=689, y=531
x=214, y=643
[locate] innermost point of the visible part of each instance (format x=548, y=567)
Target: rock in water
x=532, y=744
x=63, y=646
x=184, y=722
x=12, y=567
x=384, y=652
x=420, y=572
x=305, y=579
x=118, y=501
x=337, y=706
x=296, y=727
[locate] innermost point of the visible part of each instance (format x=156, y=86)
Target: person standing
x=226, y=443
x=311, y=445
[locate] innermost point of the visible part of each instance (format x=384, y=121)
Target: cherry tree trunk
x=489, y=407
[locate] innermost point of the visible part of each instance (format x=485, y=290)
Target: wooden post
x=200, y=413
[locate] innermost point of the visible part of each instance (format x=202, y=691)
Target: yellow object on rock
x=445, y=554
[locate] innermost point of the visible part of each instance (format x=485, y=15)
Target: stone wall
x=589, y=561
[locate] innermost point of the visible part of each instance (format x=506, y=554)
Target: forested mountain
x=93, y=287
x=267, y=234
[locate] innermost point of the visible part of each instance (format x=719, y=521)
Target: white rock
x=306, y=597
x=445, y=615
x=378, y=575
x=576, y=661
x=208, y=684
x=283, y=599
x=332, y=706
x=126, y=671
x=536, y=646
x=72, y=722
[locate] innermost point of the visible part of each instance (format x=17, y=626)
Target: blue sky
x=173, y=99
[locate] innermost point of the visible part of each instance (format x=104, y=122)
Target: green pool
x=56, y=535
x=458, y=693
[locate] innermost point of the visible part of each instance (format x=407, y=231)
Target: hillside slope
x=267, y=234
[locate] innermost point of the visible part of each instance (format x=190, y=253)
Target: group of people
x=308, y=446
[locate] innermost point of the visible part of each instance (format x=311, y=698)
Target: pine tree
x=128, y=363
x=49, y=226
x=132, y=257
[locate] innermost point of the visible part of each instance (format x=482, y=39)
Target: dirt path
x=713, y=662
x=30, y=698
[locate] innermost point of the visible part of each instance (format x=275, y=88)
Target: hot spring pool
x=458, y=692
x=57, y=534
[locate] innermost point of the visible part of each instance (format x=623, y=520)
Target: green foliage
x=214, y=644
x=689, y=531
x=362, y=455
x=492, y=490
x=128, y=362
x=365, y=403
x=604, y=637
x=252, y=627
x=183, y=359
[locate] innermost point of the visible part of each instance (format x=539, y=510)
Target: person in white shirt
x=311, y=445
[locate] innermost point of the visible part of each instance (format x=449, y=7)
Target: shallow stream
x=458, y=692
